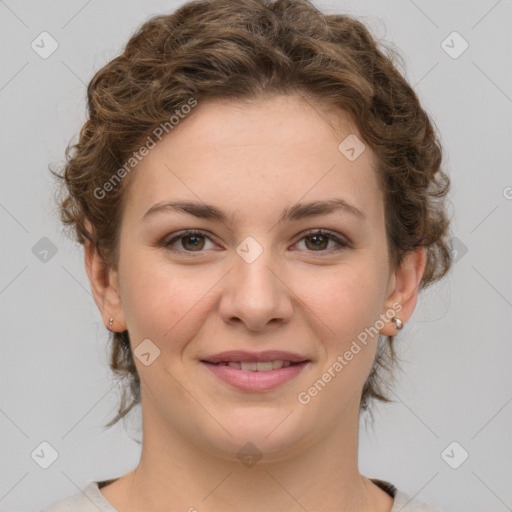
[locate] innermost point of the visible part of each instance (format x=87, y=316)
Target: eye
x=191, y=241
x=317, y=240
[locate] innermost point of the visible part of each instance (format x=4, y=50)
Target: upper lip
x=267, y=355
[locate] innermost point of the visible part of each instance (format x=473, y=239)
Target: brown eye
x=317, y=241
x=192, y=242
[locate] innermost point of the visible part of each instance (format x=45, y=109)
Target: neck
x=175, y=471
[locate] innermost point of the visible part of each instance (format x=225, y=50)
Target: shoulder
x=89, y=499
x=402, y=502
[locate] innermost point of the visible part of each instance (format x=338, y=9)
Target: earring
x=398, y=323
x=110, y=322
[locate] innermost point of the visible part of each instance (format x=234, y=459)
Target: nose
x=256, y=295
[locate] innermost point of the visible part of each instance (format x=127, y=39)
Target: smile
x=251, y=366
x=256, y=376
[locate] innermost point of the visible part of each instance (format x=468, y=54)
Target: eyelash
x=342, y=244
x=192, y=232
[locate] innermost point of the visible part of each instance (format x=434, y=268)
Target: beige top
x=91, y=500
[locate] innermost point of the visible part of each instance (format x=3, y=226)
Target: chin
x=259, y=431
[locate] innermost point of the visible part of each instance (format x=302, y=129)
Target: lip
x=255, y=380
x=267, y=355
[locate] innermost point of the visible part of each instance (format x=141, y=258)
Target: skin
x=251, y=160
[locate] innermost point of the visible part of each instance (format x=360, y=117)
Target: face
x=262, y=274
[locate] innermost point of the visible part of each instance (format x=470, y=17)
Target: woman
x=260, y=198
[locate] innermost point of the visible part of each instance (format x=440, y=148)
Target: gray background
x=55, y=383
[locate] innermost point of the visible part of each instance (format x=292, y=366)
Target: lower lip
x=255, y=381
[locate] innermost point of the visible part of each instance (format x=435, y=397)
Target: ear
x=104, y=286
x=403, y=289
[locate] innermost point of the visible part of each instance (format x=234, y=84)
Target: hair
x=247, y=50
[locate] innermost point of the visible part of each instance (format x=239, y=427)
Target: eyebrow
x=292, y=213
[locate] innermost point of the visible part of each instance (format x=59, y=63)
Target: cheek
x=161, y=301
x=346, y=306
x=344, y=299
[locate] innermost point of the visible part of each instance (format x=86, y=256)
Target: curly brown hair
x=245, y=50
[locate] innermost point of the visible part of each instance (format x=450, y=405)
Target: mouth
x=254, y=373
x=257, y=366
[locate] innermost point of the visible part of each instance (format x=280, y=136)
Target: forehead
x=243, y=155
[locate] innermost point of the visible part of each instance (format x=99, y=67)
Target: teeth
x=260, y=366
x=249, y=367
x=264, y=366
